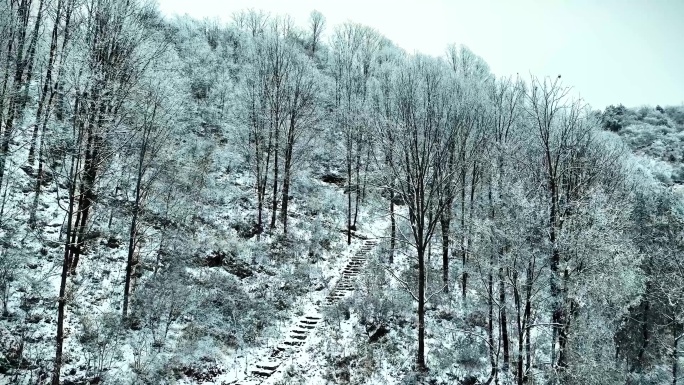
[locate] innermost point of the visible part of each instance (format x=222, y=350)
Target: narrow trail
x=264, y=370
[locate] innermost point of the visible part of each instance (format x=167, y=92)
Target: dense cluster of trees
x=541, y=217
x=84, y=95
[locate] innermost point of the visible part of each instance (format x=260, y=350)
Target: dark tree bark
x=147, y=149
x=349, y=190
x=66, y=262
x=503, y=320
x=676, y=335
x=445, y=228
x=45, y=100
x=301, y=117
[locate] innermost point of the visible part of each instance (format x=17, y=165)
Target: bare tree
x=419, y=175
x=19, y=53
x=278, y=70
x=301, y=115
x=506, y=99
x=152, y=132
x=47, y=93
x=575, y=162
x=469, y=119
x=260, y=137
x=316, y=26
x=354, y=48
x=118, y=52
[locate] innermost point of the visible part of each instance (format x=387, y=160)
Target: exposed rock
x=229, y=262
x=215, y=259
x=28, y=169
x=333, y=179
x=113, y=242
x=445, y=315
x=206, y=370
x=379, y=332
x=469, y=380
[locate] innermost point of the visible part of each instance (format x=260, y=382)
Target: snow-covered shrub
x=101, y=337
x=161, y=301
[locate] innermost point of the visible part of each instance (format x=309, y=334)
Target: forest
x=259, y=201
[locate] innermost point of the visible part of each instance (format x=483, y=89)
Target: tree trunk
x=519, y=328
x=257, y=161
x=357, y=191
x=68, y=245
x=393, y=220
x=90, y=170
x=286, y=185
x=676, y=330
x=645, y=327
x=130, y=261
x=274, y=204
x=503, y=320
x=38, y=187
x=564, y=331
x=464, y=235
x=365, y=174
x=490, y=298
x=445, y=222
x=393, y=228
x=349, y=192
x=28, y=63
x=556, y=307
x=133, y=232
x=23, y=13
x=86, y=202
x=264, y=181
x=528, y=315
x=420, y=364
x=490, y=321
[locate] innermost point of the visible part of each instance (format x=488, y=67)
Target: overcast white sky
x=610, y=51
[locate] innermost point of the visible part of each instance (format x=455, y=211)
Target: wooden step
x=268, y=365
x=261, y=373
x=247, y=381
x=284, y=348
